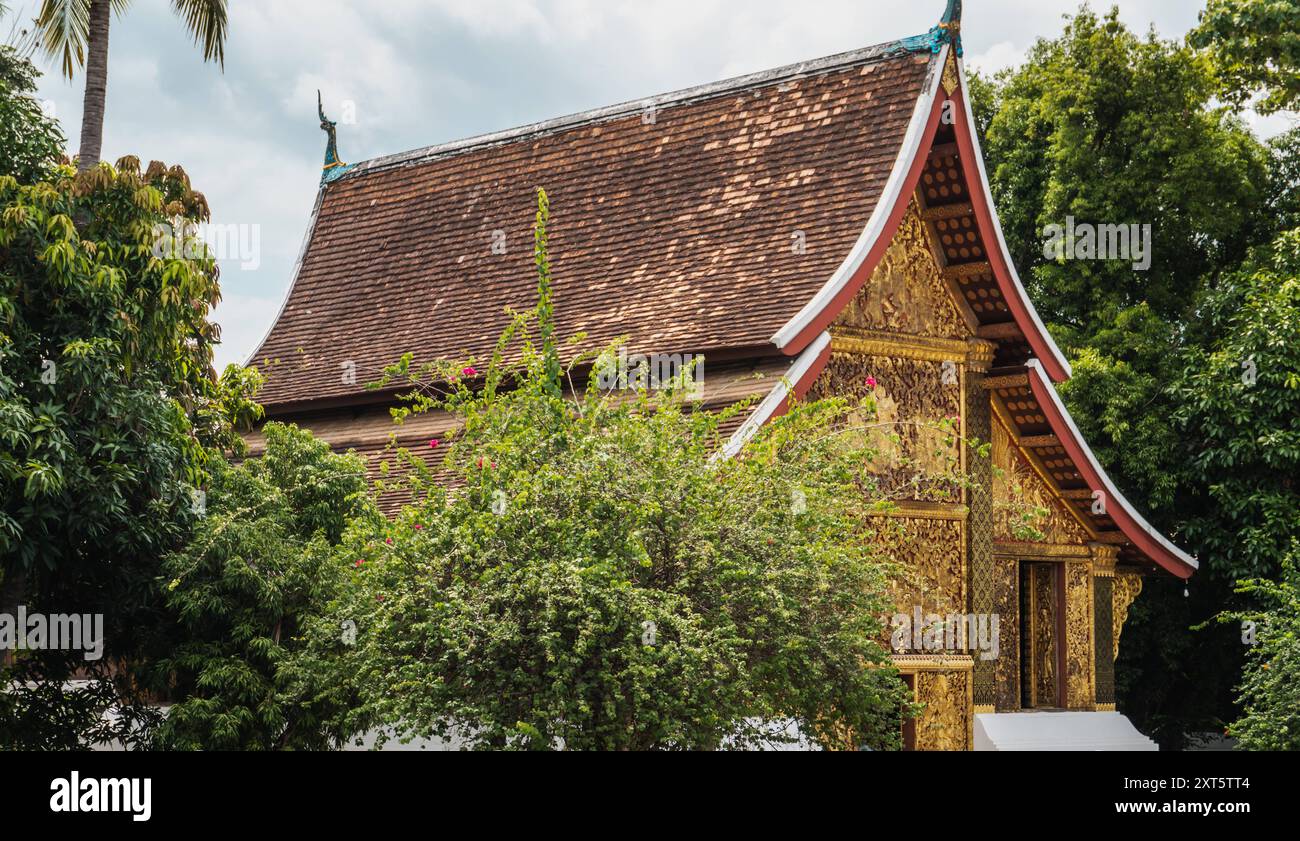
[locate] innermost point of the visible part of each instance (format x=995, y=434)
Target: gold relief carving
x=979, y=355
x=945, y=723
x=1078, y=637
x=878, y=343
x=1017, y=488
x=1127, y=588
x=950, y=77
x=1006, y=605
x=1043, y=608
x=1033, y=551
x=906, y=292
x=1103, y=559
x=911, y=398
x=929, y=552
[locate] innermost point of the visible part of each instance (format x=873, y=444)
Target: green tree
x=1254, y=46
x=105, y=372
x=1270, y=685
x=590, y=574
x=75, y=32
x=30, y=142
x=258, y=568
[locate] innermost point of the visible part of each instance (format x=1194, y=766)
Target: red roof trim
x=1012, y=292
x=1143, y=536
x=862, y=274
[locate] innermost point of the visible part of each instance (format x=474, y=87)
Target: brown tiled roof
x=371, y=433
x=672, y=227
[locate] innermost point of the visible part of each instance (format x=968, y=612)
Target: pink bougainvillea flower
x=480, y=462
x=469, y=372
x=871, y=382
x=388, y=540
x=359, y=562
x=417, y=527
x=433, y=442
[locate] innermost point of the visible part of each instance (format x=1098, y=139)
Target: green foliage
x=257, y=568
x=1284, y=192
x=108, y=404
x=1254, y=46
x=30, y=143
x=1239, y=407
x=588, y=573
x=1270, y=686
x=1109, y=128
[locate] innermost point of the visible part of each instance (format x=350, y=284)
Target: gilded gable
x=906, y=292
x=1020, y=495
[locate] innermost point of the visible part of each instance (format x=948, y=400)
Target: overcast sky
x=421, y=72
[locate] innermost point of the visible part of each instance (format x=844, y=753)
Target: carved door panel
x=1042, y=633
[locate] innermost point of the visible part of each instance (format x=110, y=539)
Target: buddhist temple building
x=820, y=225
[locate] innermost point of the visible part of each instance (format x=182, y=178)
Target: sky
x=403, y=74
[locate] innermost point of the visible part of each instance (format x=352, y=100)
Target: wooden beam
x=943, y=150
x=1001, y=330
x=1010, y=381
x=947, y=211
x=968, y=269
x=1039, y=441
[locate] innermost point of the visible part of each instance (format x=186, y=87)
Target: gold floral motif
x=932, y=571
x=1006, y=604
x=1127, y=587
x=911, y=398
x=1018, y=488
x=1078, y=637
x=945, y=722
x=906, y=292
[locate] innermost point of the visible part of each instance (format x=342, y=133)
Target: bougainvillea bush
x=589, y=571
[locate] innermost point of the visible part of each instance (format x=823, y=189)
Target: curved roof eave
x=1142, y=534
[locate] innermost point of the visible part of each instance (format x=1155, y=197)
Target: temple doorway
x=1042, y=633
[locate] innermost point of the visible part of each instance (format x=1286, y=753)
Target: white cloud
x=428, y=71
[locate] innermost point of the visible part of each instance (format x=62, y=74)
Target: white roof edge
x=764, y=410
x=879, y=215
x=684, y=96
x=1036, y=368
x=1058, y=357
x=293, y=278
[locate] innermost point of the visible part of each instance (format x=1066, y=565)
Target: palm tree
x=76, y=33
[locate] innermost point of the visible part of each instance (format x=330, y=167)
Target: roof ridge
x=685, y=96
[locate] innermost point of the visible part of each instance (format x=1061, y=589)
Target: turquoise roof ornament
x=333, y=167
x=946, y=31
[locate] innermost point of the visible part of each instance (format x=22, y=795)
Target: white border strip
x=293, y=278
x=765, y=409
x=1037, y=368
x=997, y=226
x=884, y=206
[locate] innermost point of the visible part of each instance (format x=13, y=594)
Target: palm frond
x=206, y=20
x=63, y=28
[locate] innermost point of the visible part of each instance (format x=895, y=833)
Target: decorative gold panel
x=907, y=293
x=1017, y=488
x=1127, y=588
x=1078, y=637
x=930, y=553
x=911, y=397
x=945, y=723
x=1006, y=604
x=1043, y=636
